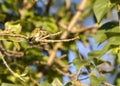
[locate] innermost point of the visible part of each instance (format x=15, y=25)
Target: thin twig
x=72, y=76
x=75, y=18
x=15, y=74
x=48, y=6
x=79, y=30
x=67, y=3
x=62, y=40
x=10, y=53
x=63, y=56
x=35, y=81
x=64, y=73
x=13, y=35
x=49, y=35
x=107, y=84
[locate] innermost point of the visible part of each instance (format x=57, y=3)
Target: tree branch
x=107, y=84
x=13, y=35
x=48, y=6
x=67, y=3
x=79, y=30
x=65, y=34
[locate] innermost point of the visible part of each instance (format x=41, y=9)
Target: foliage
x=31, y=35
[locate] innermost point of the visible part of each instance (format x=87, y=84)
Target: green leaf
x=118, y=60
x=8, y=45
x=110, y=34
x=100, y=37
x=95, y=54
x=68, y=84
x=49, y=24
x=28, y=13
x=2, y=17
x=10, y=2
x=114, y=40
x=99, y=53
x=105, y=49
x=16, y=45
x=50, y=27
x=72, y=47
x=45, y=84
x=109, y=25
x=80, y=63
x=61, y=11
x=23, y=44
x=96, y=81
x=4, y=8
x=106, y=31
x=11, y=78
x=101, y=7
x=118, y=82
x=115, y=1
x=56, y=82
x=113, y=32
x=8, y=84
x=33, y=54
x=12, y=27
x=30, y=1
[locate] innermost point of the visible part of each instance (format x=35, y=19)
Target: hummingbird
x=37, y=34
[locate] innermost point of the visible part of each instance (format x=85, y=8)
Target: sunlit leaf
x=50, y=27
x=81, y=63
x=99, y=53
x=96, y=81
x=105, y=48
x=100, y=37
x=8, y=45
x=118, y=81
x=56, y=82
x=10, y=1
x=28, y=14
x=114, y=40
x=101, y=8
x=95, y=54
x=9, y=84
x=45, y=84
x=118, y=60
x=23, y=44
x=11, y=78
x=16, y=45
x=106, y=31
x=13, y=28
x=72, y=47
x=4, y=8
